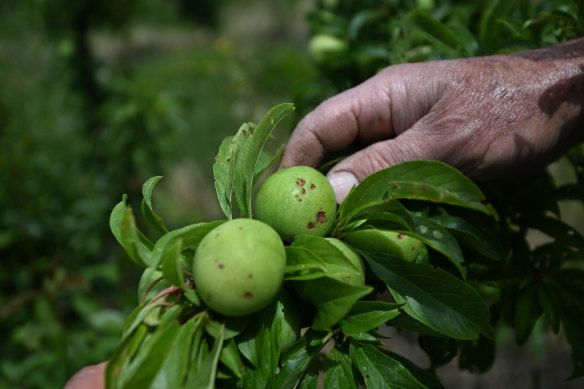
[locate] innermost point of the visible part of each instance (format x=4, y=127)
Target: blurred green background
x=95, y=98
x=98, y=96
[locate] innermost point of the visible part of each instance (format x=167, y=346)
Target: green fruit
x=389, y=242
x=297, y=200
x=328, y=49
x=239, y=267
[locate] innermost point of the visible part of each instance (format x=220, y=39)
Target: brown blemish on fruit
x=401, y=236
x=312, y=186
x=250, y=275
x=321, y=217
x=303, y=191
x=215, y=260
x=300, y=181
x=310, y=226
x=217, y=235
x=240, y=228
x=248, y=295
x=221, y=266
x=299, y=200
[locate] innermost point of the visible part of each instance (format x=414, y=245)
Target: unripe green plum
x=297, y=200
x=384, y=241
x=328, y=49
x=239, y=267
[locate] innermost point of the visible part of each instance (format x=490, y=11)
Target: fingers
x=358, y=114
x=90, y=377
x=353, y=169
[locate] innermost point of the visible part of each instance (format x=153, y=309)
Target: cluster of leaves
x=172, y=338
x=381, y=33
x=528, y=279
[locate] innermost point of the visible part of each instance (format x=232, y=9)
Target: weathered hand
x=490, y=117
x=90, y=377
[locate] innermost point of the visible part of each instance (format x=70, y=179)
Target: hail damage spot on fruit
x=250, y=275
x=401, y=236
x=248, y=295
x=221, y=266
x=296, y=200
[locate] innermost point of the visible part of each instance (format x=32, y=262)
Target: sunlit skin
x=491, y=117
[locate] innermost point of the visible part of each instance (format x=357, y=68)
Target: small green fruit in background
x=389, y=242
x=297, y=200
x=328, y=49
x=239, y=267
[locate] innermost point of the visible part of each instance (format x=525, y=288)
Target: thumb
x=353, y=169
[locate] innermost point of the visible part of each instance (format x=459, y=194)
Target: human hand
x=491, y=117
x=90, y=377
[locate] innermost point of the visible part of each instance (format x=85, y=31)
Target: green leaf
x=311, y=376
x=124, y=229
x=438, y=238
x=151, y=217
x=477, y=356
x=202, y=373
x=333, y=299
x=380, y=370
x=368, y=315
x=223, y=172
x=231, y=358
x=408, y=323
x=190, y=235
x=488, y=33
x=439, y=34
x=142, y=370
x=434, y=297
x=425, y=377
x=335, y=262
x=418, y=180
x=572, y=311
x=338, y=371
x=527, y=311
x=550, y=305
x=440, y=351
x=471, y=237
x=303, y=264
x=299, y=358
x=174, y=370
x=246, y=159
x=172, y=268
x=265, y=160
x=260, y=344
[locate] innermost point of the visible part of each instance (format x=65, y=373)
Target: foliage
x=65, y=156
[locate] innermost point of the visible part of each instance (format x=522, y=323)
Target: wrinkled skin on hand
x=491, y=117
x=90, y=377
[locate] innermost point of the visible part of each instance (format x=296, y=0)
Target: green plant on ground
x=451, y=298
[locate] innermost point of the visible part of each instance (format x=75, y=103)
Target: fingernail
x=342, y=183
